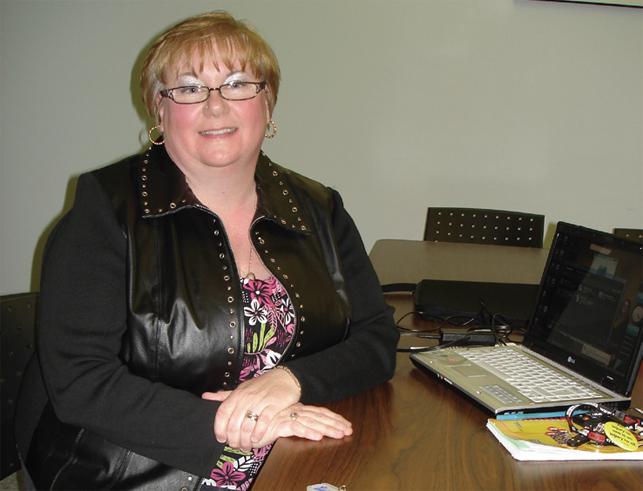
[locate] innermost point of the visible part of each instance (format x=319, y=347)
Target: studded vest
x=185, y=318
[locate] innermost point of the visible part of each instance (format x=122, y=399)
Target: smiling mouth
x=219, y=132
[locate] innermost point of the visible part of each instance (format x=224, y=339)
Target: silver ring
x=294, y=415
x=253, y=416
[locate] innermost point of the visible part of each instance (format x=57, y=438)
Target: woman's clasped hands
x=265, y=408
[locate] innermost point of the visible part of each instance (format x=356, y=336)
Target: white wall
x=511, y=104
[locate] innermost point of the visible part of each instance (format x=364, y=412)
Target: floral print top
x=269, y=327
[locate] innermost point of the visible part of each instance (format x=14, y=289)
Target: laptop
x=583, y=342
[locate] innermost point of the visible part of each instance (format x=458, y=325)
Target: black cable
x=406, y=329
x=499, y=324
x=487, y=321
x=406, y=315
x=467, y=320
x=502, y=330
x=451, y=319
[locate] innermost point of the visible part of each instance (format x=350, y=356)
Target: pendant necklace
x=249, y=274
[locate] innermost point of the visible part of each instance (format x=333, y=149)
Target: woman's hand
x=247, y=411
x=310, y=422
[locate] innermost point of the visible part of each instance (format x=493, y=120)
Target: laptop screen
x=589, y=314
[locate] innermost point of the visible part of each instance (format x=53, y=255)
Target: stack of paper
x=540, y=439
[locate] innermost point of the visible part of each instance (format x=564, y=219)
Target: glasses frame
x=169, y=93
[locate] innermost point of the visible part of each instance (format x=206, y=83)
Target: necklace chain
x=249, y=273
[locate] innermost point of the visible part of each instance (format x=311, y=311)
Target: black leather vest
x=185, y=319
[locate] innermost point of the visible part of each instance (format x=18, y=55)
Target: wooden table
x=416, y=433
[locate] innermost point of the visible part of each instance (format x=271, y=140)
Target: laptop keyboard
x=532, y=379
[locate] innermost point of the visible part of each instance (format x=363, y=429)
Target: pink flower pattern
x=269, y=326
x=227, y=475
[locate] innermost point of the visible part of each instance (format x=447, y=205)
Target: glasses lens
x=190, y=94
x=238, y=91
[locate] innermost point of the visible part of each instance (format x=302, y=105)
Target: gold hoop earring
x=151, y=139
x=271, y=129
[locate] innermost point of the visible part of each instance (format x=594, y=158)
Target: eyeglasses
x=234, y=91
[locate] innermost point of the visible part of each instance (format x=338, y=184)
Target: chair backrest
x=483, y=226
x=17, y=326
x=634, y=234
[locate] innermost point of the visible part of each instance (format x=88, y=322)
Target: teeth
x=217, y=132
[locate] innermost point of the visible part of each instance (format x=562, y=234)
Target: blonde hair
x=213, y=34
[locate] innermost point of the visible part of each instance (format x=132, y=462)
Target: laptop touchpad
x=471, y=371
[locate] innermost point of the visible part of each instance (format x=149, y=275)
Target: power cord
x=451, y=337
x=490, y=328
x=486, y=327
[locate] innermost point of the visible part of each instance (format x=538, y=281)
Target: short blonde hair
x=206, y=36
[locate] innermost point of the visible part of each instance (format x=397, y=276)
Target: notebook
x=584, y=339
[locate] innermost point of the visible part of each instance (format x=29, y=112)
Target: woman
x=198, y=299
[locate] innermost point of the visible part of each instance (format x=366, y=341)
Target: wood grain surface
x=417, y=433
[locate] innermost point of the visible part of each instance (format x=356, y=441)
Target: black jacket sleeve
x=367, y=356
x=83, y=305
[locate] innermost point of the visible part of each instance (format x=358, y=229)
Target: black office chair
x=17, y=326
x=634, y=234
x=481, y=226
